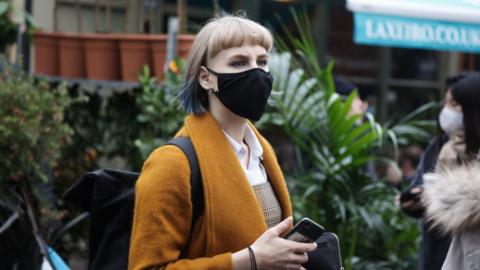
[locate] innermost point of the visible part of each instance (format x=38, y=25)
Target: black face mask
x=245, y=93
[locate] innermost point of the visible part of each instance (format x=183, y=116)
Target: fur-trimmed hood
x=452, y=198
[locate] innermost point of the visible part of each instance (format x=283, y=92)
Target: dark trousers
x=433, y=249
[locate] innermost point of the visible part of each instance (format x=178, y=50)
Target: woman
x=447, y=150
x=247, y=206
x=452, y=194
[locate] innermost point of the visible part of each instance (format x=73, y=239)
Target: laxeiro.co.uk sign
x=429, y=24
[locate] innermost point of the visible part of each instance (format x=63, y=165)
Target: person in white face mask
x=451, y=122
x=458, y=142
x=452, y=194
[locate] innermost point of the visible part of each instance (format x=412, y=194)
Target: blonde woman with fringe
x=246, y=203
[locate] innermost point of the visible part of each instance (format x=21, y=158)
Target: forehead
x=245, y=50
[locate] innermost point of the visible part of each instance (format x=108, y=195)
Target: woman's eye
x=238, y=64
x=262, y=63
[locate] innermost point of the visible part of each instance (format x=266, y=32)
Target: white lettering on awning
x=422, y=32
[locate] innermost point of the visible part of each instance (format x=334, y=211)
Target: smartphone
x=305, y=231
x=409, y=196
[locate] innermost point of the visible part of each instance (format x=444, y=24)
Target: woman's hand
x=415, y=201
x=273, y=252
x=411, y=202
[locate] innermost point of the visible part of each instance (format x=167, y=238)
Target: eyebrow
x=263, y=55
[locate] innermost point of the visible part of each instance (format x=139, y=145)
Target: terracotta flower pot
x=102, y=57
x=184, y=44
x=135, y=52
x=46, y=53
x=72, y=60
x=159, y=51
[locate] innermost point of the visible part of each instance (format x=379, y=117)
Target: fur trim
x=452, y=198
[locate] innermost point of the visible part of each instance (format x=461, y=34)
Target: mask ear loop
x=211, y=91
x=211, y=71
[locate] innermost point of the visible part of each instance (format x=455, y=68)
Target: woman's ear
x=205, y=80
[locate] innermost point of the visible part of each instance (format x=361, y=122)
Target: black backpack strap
x=186, y=145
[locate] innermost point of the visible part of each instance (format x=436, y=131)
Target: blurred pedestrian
x=452, y=194
x=457, y=143
x=344, y=88
x=246, y=203
x=408, y=162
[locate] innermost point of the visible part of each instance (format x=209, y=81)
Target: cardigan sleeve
x=163, y=215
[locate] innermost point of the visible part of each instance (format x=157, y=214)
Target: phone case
x=327, y=256
x=306, y=230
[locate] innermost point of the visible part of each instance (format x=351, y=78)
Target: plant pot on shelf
x=46, y=53
x=159, y=51
x=102, y=57
x=184, y=44
x=71, y=55
x=135, y=52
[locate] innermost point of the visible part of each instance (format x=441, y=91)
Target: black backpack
x=108, y=197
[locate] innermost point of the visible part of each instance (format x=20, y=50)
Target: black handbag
x=327, y=255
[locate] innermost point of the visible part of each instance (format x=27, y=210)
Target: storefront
x=415, y=36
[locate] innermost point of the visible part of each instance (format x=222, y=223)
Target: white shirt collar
x=250, y=139
x=253, y=142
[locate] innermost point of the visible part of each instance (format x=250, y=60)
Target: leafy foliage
x=32, y=134
x=333, y=181
x=7, y=27
x=330, y=182
x=159, y=114
x=31, y=127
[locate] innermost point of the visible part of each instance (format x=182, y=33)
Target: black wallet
x=327, y=255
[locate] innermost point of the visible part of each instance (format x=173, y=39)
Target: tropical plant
x=414, y=127
x=332, y=181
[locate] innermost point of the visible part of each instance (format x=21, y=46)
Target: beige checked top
x=269, y=203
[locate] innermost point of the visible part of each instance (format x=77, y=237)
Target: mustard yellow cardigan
x=232, y=218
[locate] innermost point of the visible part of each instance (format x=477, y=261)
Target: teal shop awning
x=430, y=24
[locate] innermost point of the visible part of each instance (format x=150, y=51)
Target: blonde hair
x=220, y=33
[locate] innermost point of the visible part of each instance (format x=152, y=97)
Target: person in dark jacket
x=452, y=193
x=449, y=149
x=434, y=245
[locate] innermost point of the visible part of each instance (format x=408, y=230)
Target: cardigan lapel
x=233, y=216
